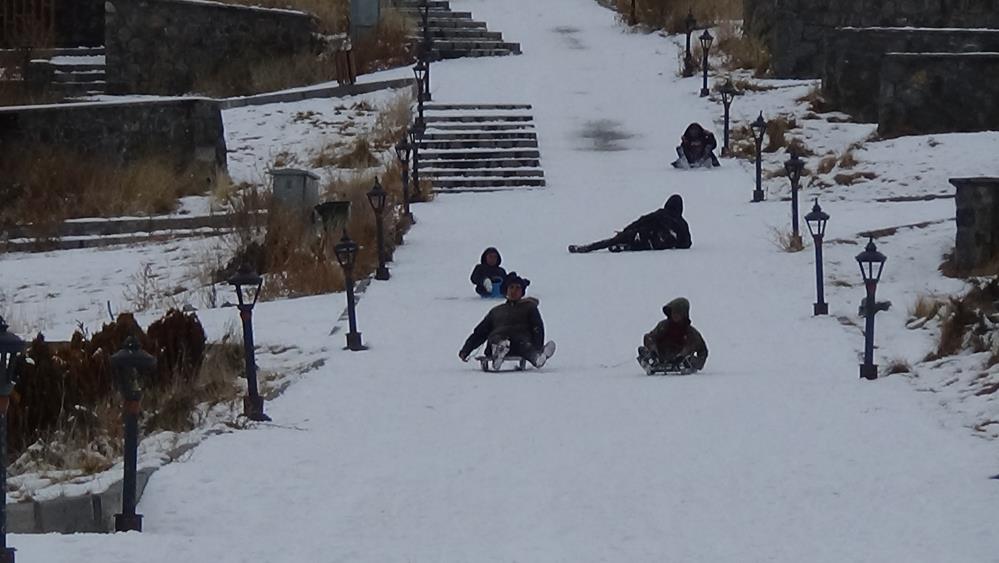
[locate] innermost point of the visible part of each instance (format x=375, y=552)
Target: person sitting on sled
x=488, y=275
x=514, y=328
x=660, y=230
x=674, y=342
x=696, y=149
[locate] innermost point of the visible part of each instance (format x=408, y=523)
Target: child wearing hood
x=660, y=230
x=697, y=148
x=488, y=275
x=674, y=341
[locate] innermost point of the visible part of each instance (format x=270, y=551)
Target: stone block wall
x=924, y=93
x=160, y=46
x=794, y=30
x=851, y=77
x=977, y=242
x=79, y=23
x=188, y=130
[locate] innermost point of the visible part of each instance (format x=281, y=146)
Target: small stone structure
x=851, y=77
x=923, y=93
x=794, y=30
x=977, y=242
x=161, y=46
x=189, y=130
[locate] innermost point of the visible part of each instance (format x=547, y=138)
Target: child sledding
x=674, y=346
x=662, y=229
x=697, y=149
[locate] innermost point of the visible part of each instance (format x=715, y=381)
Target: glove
x=463, y=356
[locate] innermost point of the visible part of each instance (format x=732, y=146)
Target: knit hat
x=513, y=278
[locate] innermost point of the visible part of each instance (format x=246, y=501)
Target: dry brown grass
x=851, y=178
x=785, y=241
x=816, y=102
x=248, y=77
x=848, y=160
x=388, y=47
x=925, y=307
x=777, y=129
x=740, y=51
x=827, y=164
x=897, y=366
x=333, y=15
x=670, y=14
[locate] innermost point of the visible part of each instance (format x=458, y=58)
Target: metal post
x=704, y=87
x=795, y=234
x=868, y=370
x=758, y=192
x=253, y=403
x=405, y=191
x=6, y=553
x=820, y=307
x=128, y=520
x=353, y=337
x=728, y=104
x=416, y=165
x=688, y=57
x=381, y=273
x=634, y=14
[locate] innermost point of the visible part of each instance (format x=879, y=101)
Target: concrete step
x=81, y=88
x=481, y=136
x=62, y=67
x=481, y=164
x=435, y=14
x=475, y=53
x=414, y=4
x=432, y=156
x=485, y=183
x=466, y=118
x=471, y=107
x=456, y=23
x=479, y=127
x=91, y=76
x=480, y=34
x=63, y=52
x=483, y=173
x=479, y=144
x=473, y=44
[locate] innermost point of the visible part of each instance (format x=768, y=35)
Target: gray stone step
x=479, y=144
x=81, y=88
x=77, y=68
x=483, y=172
x=485, y=183
x=473, y=44
x=481, y=136
x=479, y=127
x=64, y=52
x=443, y=55
x=435, y=14
x=466, y=118
x=432, y=156
x=81, y=77
x=477, y=33
x=448, y=23
x=414, y=4
x=472, y=107
x=482, y=164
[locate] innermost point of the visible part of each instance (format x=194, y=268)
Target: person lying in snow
x=674, y=341
x=488, y=275
x=660, y=230
x=696, y=149
x=514, y=328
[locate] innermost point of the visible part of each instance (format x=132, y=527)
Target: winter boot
x=542, y=357
x=500, y=350
x=579, y=248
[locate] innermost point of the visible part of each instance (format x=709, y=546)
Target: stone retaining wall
x=794, y=30
x=189, y=130
x=923, y=93
x=160, y=46
x=977, y=242
x=79, y=23
x=851, y=78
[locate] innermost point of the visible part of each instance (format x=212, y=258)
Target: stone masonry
x=794, y=30
x=923, y=93
x=851, y=76
x=977, y=242
x=160, y=46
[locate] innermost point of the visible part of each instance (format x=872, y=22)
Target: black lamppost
x=688, y=58
x=706, y=40
x=426, y=27
x=421, y=70
x=633, y=20
x=871, y=263
x=728, y=94
x=130, y=364
x=415, y=138
x=402, y=152
x=816, y=221
x=794, y=167
x=377, y=197
x=247, y=284
x=758, y=128
x=11, y=348
x=346, y=255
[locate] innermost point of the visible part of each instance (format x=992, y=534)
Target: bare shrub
x=848, y=179
x=254, y=76
x=826, y=165
x=816, y=102
x=896, y=366
x=670, y=14
x=777, y=129
x=848, y=160
x=925, y=307
x=388, y=46
x=784, y=240
x=741, y=51
x=333, y=15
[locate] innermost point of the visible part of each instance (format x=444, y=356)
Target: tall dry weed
x=670, y=15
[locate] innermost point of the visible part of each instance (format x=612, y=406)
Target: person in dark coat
x=488, y=272
x=696, y=148
x=513, y=328
x=660, y=230
x=674, y=339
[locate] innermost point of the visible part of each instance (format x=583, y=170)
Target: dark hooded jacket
x=664, y=228
x=670, y=340
x=698, y=144
x=484, y=271
x=514, y=320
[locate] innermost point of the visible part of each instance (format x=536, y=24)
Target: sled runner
x=680, y=366
x=518, y=363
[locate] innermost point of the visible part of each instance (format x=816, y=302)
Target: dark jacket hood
x=674, y=204
x=499, y=257
x=680, y=304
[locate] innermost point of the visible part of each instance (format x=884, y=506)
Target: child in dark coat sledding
x=488, y=275
x=696, y=149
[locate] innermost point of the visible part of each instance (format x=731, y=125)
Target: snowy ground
x=778, y=452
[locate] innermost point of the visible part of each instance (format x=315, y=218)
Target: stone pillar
x=977, y=242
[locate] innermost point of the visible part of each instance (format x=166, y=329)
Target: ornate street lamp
x=794, y=167
x=346, y=255
x=421, y=71
x=247, y=284
x=759, y=128
x=415, y=138
x=728, y=94
x=402, y=152
x=11, y=350
x=816, y=221
x=378, y=197
x=706, y=40
x=130, y=364
x=872, y=263
x=690, y=23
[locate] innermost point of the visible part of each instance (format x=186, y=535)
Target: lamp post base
x=796, y=242
x=253, y=409
x=354, y=342
x=820, y=309
x=7, y=555
x=382, y=273
x=757, y=196
x=128, y=522
x=869, y=372
x=705, y=92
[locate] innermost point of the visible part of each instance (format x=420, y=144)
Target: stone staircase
x=480, y=147
x=455, y=34
x=72, y=72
